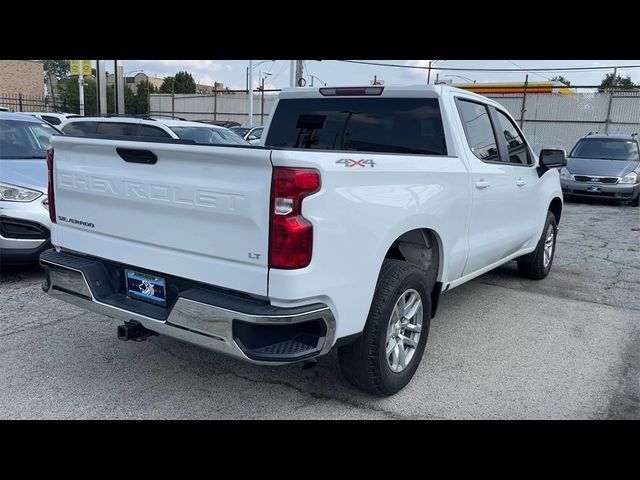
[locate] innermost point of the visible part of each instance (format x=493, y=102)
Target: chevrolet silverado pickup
x=341, y=229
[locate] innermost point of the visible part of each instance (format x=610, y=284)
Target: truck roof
x=417, y=91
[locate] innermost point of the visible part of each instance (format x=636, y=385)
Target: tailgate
x=199, y=212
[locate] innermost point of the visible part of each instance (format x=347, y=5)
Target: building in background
x=208, y=89
x=24, y=77
x=132, y=82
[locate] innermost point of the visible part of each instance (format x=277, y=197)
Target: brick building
x=22, y=76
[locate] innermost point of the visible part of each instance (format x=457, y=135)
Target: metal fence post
x=524, y=101
x=262, y=103
x=215, y=103
x=613, y=86
x=20, y=102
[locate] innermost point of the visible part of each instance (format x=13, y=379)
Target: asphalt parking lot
x=567, y=347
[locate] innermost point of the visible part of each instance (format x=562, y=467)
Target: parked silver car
x=604, y=166
x=250, y=134
x=52, y=118
x=24, y=214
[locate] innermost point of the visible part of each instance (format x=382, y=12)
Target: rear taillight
x=290, y=234
x=51, y=198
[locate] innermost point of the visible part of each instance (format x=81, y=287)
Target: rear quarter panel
x=358, y=213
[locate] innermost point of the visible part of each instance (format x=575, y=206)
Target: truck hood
x=600, y=167
x=31, y=173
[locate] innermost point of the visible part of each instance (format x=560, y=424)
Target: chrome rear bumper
x=205, y=317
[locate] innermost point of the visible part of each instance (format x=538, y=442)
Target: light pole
x=250, y=87
x=467, y=79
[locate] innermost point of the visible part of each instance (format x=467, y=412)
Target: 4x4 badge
x=350, y=162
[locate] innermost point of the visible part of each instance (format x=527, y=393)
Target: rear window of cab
x=379, y=125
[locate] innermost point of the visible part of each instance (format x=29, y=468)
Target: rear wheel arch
x=422, y=247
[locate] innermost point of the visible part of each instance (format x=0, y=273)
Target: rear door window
x=117, y=129
x=80, y=128
x=386, y=125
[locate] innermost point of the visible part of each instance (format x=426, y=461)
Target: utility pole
x=119, y=87
x=262, y=100
x=299, y=72
x=613, y=86
x=80, y=87
x=523, y=109
x=250, y=94
x=101, y=77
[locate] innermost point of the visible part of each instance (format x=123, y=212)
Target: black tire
x=636, y=202
x=532, y=265
x=363, y=362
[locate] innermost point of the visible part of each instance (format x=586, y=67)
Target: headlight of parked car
x=13, y=193
x=629, y=178
x=565, y=175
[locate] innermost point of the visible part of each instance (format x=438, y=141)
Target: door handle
x=134, y=155
x=520, y=182
x=480, y=184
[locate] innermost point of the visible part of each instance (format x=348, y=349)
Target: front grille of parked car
x=586, y=178
x=595, y=194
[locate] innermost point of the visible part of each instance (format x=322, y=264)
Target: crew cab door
x=494, y=212
x=518, y=155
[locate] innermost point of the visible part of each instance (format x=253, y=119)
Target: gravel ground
x=500, y=347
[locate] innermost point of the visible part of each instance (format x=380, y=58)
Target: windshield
x=208, y=136
x=242, y=131
x=20, y=140
x=606, y=148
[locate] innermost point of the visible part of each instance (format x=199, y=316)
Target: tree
x=57, y=68
x=167, y=85
x=621, y=83
x=182, y=82
x=70, y=98
x=561, y=79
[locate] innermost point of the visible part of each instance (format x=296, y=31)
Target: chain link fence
x=560, y=120
x=219, y=105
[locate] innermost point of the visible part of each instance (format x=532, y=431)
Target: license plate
x=593, y=188
x=145, y=287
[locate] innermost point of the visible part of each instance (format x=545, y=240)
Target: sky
x=232, y=73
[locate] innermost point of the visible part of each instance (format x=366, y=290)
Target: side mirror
x=553, y=158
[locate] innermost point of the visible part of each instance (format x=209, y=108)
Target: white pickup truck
x=341, y=230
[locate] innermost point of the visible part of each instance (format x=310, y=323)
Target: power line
x=472, y=69
x=284, y=65
x=524, y=69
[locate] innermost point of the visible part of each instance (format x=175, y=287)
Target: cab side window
x=478, y=130
x=518, y=152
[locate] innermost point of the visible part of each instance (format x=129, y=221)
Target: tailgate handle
x=133, y=155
